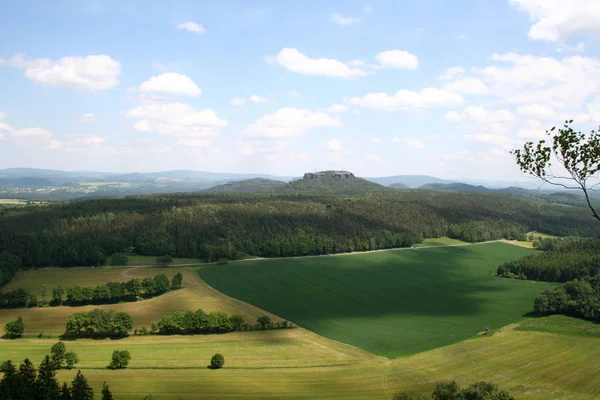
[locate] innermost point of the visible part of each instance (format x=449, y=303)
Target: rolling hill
x=398, y=186
x=245, y=186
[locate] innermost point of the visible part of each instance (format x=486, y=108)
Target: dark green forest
x=214, y=226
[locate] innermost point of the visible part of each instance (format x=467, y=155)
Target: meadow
x=392, y=303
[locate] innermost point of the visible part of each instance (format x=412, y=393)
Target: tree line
x=228, y=226
x=451, y=390
x=563, y=260
x=109, y=293
x=99, y=323
x=577, y=298
x=9, y=265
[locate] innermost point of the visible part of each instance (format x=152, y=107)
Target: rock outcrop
x=329, y=174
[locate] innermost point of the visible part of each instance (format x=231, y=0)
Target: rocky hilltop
x=329, y=174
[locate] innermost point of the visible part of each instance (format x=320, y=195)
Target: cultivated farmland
x=392, y=303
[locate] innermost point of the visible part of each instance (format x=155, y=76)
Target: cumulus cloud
x=91, y=140
x=525, y=78
x=288, y=122
x=176, y=119
x=452, y=72
x=258, y=99
x=493, y=138
x=556, y=20
x=31, y=132
x=537, y=111
x=95, y=72
x=173, y=83
x=480, y=114
x=467, y=86
x=191, y=27
x=336, y=108
x=293, y=60
x=334, y=145
x=195, y=142
x=339, y=19
x=533, y=130
x=238, y=101
x=408, y=99
x=397, y=59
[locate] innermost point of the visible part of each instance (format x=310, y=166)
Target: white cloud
x=467, y=86
x=336, y=18
x=558, y=19
x=408, y=99
x=92, y=140
x=56, y=144
x=87, y=117
x=336, y=108
x=96, y=72
x=334, y=145
x=238, y=101
x=562, y=83
x=451, y=73
x=397, y=59
x=537, y=111
x=410, y=142
x=375, y=140
x=480, y=114
x=533, y=130
x=368, y=9
x=176, y=119
x=195, y=142
x=593, y=110
x=171, y=82
x=161, y=150
x=288, y=122
x=295, y=61
x=31, y=132
x=578, y=48
x=258, y=99
x=191, y=27
x=373, y=157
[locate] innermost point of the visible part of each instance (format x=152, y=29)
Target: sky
x=379, y=88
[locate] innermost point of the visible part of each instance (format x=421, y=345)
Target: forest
x=228, y=226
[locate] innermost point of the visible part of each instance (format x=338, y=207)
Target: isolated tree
x=264, y=321
x=119, y=259
x=46, y=384
x=65, y=392
x=80, y=389
x=71, y=359
x=217, y=361
x=177, y=281
x=14, y=329
x=57, y=354
x=120, y=359
x=106, y=393
x=164, y=260
x=578, y=154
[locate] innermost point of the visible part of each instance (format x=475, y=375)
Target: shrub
x=164, y=260
x=119, y=259
x=217, y=361
x=14, y=329
x=120, y=359
x=263, y=321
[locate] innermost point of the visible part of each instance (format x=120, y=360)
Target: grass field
x=441, y=241
x=297, y=364
x=392, y=303
x=12, y=201
x=195, y=294
x=150, y=260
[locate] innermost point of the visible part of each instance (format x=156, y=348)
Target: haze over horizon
x=374, y=87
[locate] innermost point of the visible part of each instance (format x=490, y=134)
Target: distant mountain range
x=32, y=184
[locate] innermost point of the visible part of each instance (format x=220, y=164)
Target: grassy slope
x=196, y=294
x=296, y=364
x=393, y=303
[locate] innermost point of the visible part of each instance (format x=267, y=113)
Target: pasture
x=297, y=364
x=392, y=303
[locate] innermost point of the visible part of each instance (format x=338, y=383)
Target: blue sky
x=444, y=88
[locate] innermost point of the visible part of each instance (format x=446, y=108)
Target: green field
x=297, y=364
x=392, y=303
x=441, y=241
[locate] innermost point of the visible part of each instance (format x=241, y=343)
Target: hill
x=248, y=185
x=398, y=186
x=412, y=181
x=332, y=182
x=456, y=187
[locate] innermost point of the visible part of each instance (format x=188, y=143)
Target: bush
x=164, y=260
x=14, y=329
x=119, y=259
x=404, y=395
x=120, y=359
x=222, y=261
x=71, y=359
x=217, y=361
x=263, y=321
